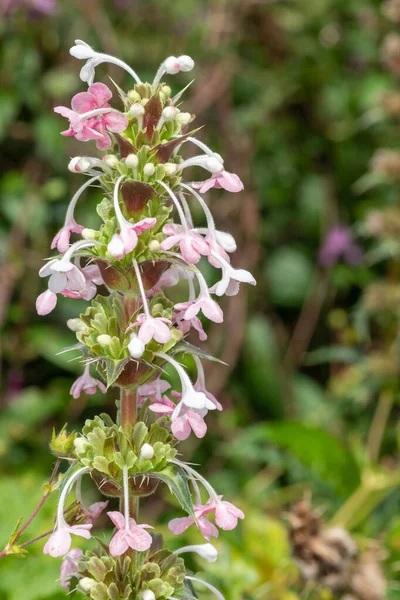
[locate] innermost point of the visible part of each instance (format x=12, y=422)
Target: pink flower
x=93, y=278
x=63, y=274
x=228, y=181
x=134, y=536
x=69, y=566
x=191, y=244
x=185, y=325
x=163, y=406
x=189, y=420
x=207, y=529
x=226, y=517
x=61, y=239
x=204, y=303
x=153, y=390
x=59, y=542
x=86, y=383
x=91, y=116
x=339, y=244
x=216, y=248
x=227, y=514
x=94, y=510
x=152, y=327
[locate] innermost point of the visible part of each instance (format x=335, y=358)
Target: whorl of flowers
x=130, y=334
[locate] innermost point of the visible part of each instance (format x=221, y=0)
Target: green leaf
x=114, y=369
x=187, y=348
x=327, y=458
x=328, y=354
x=318, y=450
x=177, y=481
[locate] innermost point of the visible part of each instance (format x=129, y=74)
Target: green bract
x=102, y=577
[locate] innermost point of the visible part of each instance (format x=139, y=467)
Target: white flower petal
x=57, y=282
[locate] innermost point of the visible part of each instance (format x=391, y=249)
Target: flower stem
x=128, y=408
x=378, y=425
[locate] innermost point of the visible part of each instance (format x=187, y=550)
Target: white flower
x=231, y=277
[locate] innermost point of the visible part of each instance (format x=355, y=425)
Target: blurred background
x=302, y=100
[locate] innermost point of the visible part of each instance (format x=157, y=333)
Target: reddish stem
x=128, y=408
x=42, y=501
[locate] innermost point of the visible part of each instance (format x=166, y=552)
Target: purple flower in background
x=46, y=7
x=339, y=244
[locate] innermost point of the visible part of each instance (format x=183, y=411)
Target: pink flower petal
x=115, y=121
x=197, y=424
x=178, y=526
x=119, y=543
x=181, y=428
x=117, y=518
x=101, y=93
x=83, y=102
x=58, y=543
x=139, y=539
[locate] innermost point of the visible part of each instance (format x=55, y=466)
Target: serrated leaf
x=175, y=478
x=114, y=369
x=188, y=348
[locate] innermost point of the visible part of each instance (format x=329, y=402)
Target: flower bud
x=186, y=63
x=170, y=112
x=172, y=65
x=183, y=118
x=89, y=234
x=79, y=164
x=86, y=583
x=149, y=170
x=135, y=111
x=62, y=444
x=154, y=246
x=136, y=346
x=165, y=92
x=170, y=169
x=80, y=445
x=104, y=339
x=148, y=595
x=134, y=96
x=76, y=325
x=111, y=160
x=147, y=451
x=132, y=161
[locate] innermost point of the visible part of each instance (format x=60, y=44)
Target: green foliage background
x=289, y=92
